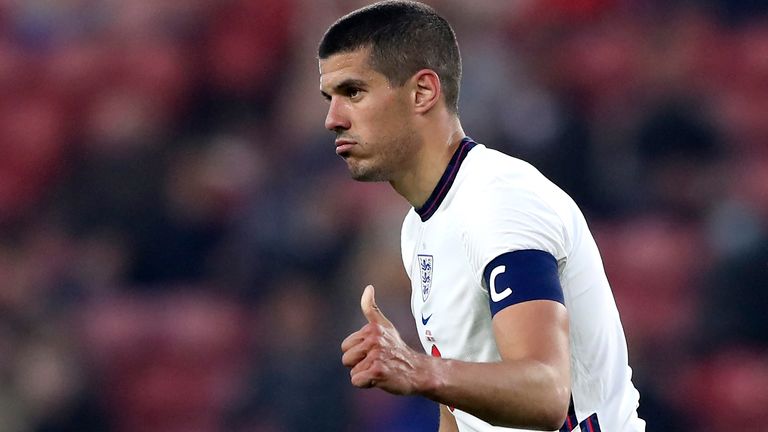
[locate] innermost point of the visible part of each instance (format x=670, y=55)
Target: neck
x=417, y=183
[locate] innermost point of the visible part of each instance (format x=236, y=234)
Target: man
x=508, y=285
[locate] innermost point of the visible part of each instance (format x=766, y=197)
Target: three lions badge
x=425, y=269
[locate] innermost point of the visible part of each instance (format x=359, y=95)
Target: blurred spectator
x=300, y=384
x=678, y=151
x=166, y=363
x=734, y=302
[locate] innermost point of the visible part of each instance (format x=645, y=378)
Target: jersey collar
x=444, y=185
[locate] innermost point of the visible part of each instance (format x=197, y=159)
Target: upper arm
x=530, y=321
x=517, y=248
x=532, y=338
x=535, y=330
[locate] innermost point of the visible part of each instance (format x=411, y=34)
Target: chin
x=366, y=174
x=363, y=176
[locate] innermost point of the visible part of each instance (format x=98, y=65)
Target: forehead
x=348, y=65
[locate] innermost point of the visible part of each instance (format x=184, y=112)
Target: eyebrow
x=345, y=85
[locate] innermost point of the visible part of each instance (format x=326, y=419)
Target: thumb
x=370, y=310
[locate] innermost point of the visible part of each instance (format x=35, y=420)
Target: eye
x=353, y=92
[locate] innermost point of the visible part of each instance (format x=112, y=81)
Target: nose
x=336, y=118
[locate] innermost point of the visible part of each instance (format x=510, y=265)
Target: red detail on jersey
x=436, y=353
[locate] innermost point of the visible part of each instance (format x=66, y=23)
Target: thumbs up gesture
x=377, y=355
x=370, y=310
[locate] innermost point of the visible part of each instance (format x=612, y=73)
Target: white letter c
x=495, y=295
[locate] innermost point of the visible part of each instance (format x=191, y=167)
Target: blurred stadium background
x=180, y=249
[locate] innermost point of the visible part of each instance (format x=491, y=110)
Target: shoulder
x=485, y=163
x=505, y=204
x=497, y=181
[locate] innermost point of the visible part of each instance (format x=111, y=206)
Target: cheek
x=383, y=119
x=392, y=114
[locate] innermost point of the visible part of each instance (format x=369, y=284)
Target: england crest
x=425, y=269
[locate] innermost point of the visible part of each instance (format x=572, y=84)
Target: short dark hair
x=404, y=37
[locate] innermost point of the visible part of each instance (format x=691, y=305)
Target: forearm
x=522, y=394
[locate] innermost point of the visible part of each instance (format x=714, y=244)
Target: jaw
x=363, y=170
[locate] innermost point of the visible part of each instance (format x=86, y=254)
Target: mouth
x=344, y=146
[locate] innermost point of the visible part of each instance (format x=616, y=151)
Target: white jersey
x=488, y=204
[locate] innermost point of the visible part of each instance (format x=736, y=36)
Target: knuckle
x=370, y=345
x=377, y=370
x=374, y=353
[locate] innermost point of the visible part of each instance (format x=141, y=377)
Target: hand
x=377, y=356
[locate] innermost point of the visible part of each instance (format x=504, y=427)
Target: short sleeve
x=505, y=217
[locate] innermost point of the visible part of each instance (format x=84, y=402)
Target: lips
x=343, y=146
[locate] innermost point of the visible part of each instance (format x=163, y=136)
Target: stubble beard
x=394, y=155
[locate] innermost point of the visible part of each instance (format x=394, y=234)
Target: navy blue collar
x=444, y=185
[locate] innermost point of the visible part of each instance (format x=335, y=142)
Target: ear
x=427, y=90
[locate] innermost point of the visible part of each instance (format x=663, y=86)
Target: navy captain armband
x=520, y=276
